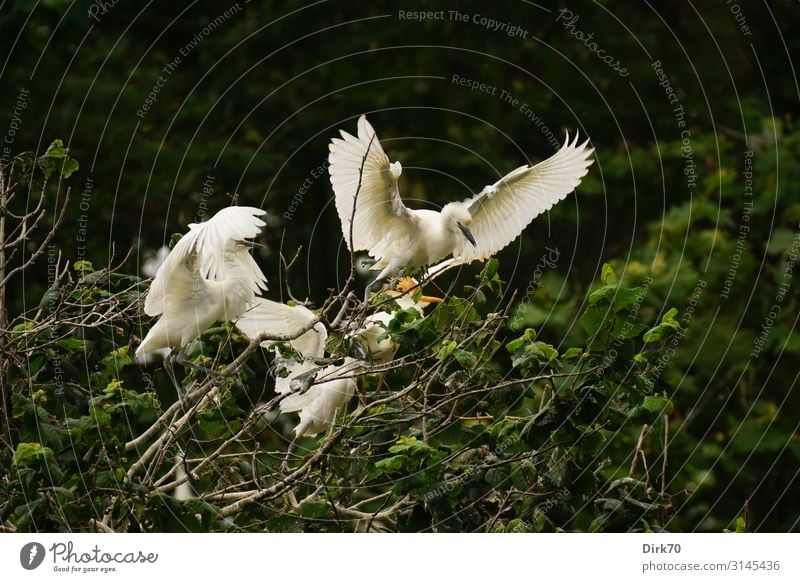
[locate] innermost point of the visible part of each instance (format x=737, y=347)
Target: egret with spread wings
x=208, y=276
x=472, y=230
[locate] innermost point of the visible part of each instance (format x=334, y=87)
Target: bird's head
x=242, y=245
x=458, y=218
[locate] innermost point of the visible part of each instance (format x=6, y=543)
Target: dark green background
x=255, y=103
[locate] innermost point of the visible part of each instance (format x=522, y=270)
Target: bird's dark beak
x=467, y=234
x=250, y=243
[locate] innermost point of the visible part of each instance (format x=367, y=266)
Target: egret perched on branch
x=208, y=276
x=375, y=325
x=472, y=230
x=316, y=392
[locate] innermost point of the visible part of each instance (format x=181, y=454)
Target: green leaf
x=100, y=416
x=629, y=330
x=607, y=275
x=657, y=404
x=465, y=358
x=446, y=349
x=113, y=387
x=667, y=326
x=83, y=266
x=71, y=343
x=627, y=298
x=526, y=338
x=594, y=318
x=314, y=509
x=69, y=167
x=406, y=444
x=741, y=525
x=490, y=270
x=56, y=160
x=392, y=464
x=604, y=292
x=27, y=453
x=535, y=353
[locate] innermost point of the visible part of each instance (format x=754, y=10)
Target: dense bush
x=475, y=426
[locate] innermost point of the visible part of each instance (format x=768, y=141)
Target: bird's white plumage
x=398, y=236
x=330, y=391
x=209, y=276
x=288, y=320
x=317, y=407
x=372, y=333
x=504, y=209
x=207, y=241
x=379, y=204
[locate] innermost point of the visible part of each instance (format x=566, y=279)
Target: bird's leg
x=362, y=393
x=289, y=453
x=380, y=384
x=169, y=367
x=366, y=292
x=180, y=358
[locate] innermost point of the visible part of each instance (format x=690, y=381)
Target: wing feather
x=201, y=251
x=380, y=212
x=503, y=210
x=278, y=318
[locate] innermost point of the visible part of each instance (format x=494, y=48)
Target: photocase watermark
x=31, y=555
x=100, y=8
x=678, y=112
x=783, y=287
x=20, y=105
x=299, y=195
x=744, y=226
x=508, y=28
x=67, y=559
x=568, y=20
x=507, y=97
x=169, y=69
x=551, y=502
x=547, y=261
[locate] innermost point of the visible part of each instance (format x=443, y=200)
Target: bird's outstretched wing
x=278, y=318
x=380, y=212
x=501, y=212
x=201, y=250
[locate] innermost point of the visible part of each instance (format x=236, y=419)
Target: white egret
x=332, y=386
x=319, y=405
x=472, y=230
x=153, y=260
x=375, y=325
x=208, y=276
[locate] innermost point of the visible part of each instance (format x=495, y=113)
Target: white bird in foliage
x=472, y=230
x=318, y=406
x=209, y=276
x=316, y=392
x=383, y=349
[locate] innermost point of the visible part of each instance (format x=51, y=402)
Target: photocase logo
x=31, y=555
